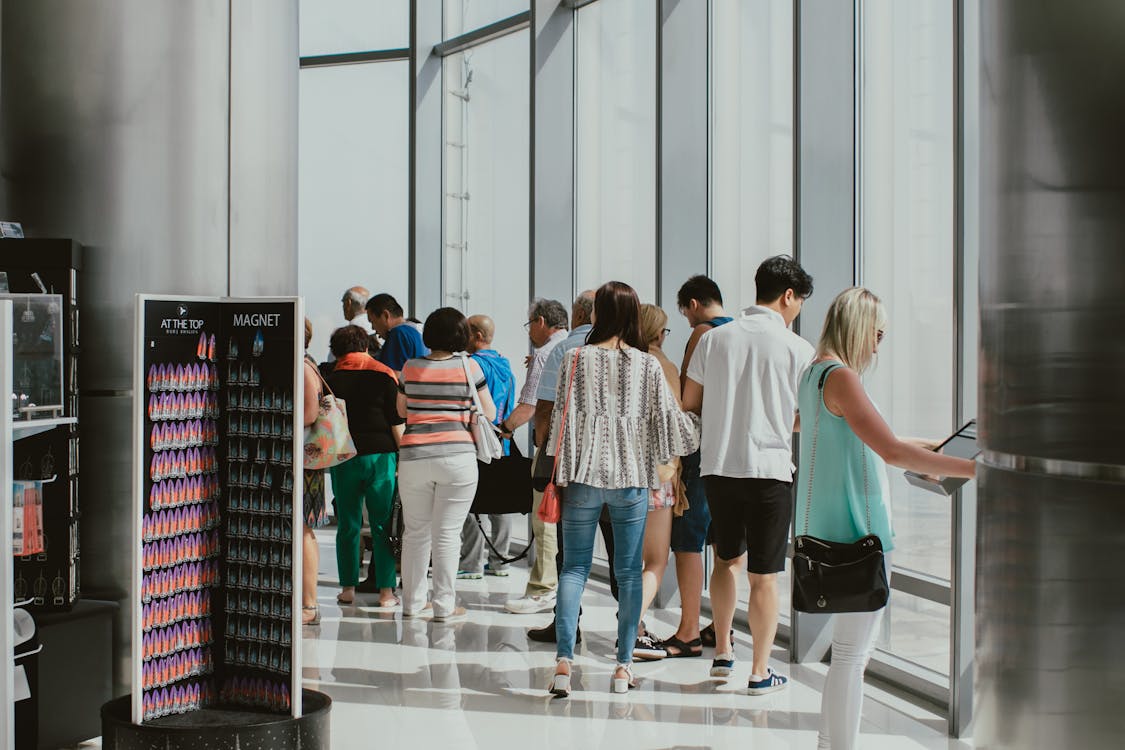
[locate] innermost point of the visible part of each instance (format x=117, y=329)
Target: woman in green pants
x=370, y=391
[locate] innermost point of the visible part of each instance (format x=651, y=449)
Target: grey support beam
x=552, y=151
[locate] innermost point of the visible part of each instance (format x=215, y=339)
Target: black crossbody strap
x=491, y=546
x=812, y=454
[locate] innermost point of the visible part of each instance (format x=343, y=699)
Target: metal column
x=1050, y=602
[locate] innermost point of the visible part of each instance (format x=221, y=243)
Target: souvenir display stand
x=14, y=684
x=218, y=441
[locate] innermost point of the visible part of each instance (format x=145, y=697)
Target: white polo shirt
x=749, y=370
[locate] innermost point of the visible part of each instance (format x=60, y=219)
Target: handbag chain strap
x=469, y=380
x=320, y=378
x=812, y=453
x=562, y=422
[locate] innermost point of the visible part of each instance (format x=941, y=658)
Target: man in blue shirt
x=401, y=340
x=502, y=385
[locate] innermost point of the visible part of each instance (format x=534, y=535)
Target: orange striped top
x=438, y=403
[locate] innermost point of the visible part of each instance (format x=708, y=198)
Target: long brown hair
x=617, y=312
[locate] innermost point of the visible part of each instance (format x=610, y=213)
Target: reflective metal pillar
x=1051, y=514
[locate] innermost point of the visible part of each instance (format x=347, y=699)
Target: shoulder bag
x=328, y=442
x=838, y=576
x=485, y=437
x=550, y=509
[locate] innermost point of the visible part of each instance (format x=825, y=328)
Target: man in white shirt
x=546, y=327
x=743, y=380
x=354, y=305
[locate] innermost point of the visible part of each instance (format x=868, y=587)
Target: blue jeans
x=628, y=509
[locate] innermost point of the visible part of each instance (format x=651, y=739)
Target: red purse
x=550, y=509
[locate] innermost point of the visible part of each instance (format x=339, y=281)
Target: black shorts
x=751, y=515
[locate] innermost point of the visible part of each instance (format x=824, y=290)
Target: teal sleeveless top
x=838, y=511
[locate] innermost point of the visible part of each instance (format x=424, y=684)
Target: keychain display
x=181, y=542
x=259, y=525
x=219, y=528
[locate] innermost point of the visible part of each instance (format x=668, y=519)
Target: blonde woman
x=658, y=526
x=853, y=447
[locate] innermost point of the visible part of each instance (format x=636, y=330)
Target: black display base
x=217, y=729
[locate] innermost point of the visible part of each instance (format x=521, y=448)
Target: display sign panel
x=218, y=528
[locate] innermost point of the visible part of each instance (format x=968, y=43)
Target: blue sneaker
x=770, y=683
x=723, y=665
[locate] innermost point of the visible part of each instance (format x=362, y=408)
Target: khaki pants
x=544, y=577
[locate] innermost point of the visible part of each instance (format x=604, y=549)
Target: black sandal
x=707, y=636
x=682, y=649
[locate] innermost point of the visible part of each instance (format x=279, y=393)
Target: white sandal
x=560, y=683
x=622, y=684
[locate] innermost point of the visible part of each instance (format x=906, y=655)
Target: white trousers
x=436, y=496
x=853, y=640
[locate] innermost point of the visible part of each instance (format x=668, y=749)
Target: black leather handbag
x=504, y=485
x=830, y=576
x=396, y=527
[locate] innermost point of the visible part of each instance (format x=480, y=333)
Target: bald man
x=354, y=305
x=502, y=385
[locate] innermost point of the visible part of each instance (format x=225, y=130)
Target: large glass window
x=907, y=258
x=462, y=16
x=487, y=177
x=353, y=187
x=331, y=27
x=907, y=242
x=752, y=141
x=615, y=162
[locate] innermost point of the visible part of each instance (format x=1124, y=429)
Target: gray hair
x=585, y=302
x=551, y=310
x=356, y=297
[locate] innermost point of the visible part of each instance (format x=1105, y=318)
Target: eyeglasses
x=527, y=325
x=667, y=331
x=879, y=336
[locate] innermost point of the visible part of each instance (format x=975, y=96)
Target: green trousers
x=364, y=480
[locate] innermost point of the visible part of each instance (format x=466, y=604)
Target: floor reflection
x=481, y=683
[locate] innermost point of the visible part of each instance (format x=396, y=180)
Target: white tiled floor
x=481, y=683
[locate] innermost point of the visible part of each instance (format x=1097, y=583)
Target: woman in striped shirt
x=437, y=470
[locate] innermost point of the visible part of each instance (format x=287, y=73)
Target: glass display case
x=37, y=348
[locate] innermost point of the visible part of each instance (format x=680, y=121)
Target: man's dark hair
x=779, y=273
x=701, y=289
x=552, y=312
x=446, y=330
x=347, y=340
x=384, y=302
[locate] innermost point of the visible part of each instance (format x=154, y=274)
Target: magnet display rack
x=217, y=510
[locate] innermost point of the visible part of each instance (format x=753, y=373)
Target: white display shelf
x=36, y=426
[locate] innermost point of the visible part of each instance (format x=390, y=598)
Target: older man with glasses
x=546, y=327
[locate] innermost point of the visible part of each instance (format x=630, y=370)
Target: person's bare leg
x=654, y=554
x=689, y=579
x=310, y=568
x=724, y=594
x=763, y=618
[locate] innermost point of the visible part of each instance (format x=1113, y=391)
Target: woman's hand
x=923, y=443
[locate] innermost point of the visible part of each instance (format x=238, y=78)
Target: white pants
x=436, y=496
x=853, y=640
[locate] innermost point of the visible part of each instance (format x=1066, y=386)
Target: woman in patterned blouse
x=621, y=423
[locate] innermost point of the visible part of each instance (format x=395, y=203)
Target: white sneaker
x=529, y=605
